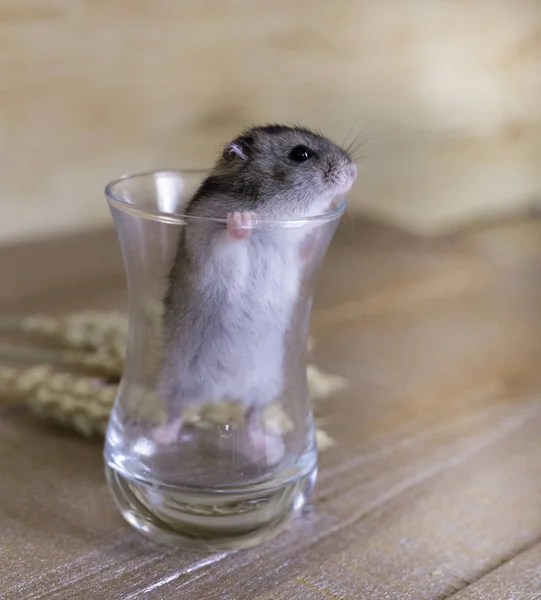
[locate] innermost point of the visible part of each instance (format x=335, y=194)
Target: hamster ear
x=239, y=148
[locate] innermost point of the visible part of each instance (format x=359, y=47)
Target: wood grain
x=433, y=490
x=443, y=96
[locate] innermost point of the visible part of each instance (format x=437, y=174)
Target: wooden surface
x=444, y=95
x=432, y=491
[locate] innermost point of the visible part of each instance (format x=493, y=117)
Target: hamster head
x=286, y=172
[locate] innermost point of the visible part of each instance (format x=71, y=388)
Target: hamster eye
x=301, y=153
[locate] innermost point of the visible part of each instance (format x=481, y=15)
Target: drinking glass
x=210, y=487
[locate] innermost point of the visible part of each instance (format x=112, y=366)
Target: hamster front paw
x=240, y=224
x=308, y=247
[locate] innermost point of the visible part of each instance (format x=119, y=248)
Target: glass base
x=216, y=521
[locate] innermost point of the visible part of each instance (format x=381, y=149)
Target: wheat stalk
x=94, y=343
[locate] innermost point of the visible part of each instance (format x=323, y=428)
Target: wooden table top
x=433, y=489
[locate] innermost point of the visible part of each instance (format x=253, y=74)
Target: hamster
x=233, y=285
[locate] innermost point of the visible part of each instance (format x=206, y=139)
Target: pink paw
x=264, y=446
x=239, y=224
x=308, y=248
x=167, y=434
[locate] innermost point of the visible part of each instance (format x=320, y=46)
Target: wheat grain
x=94, y=343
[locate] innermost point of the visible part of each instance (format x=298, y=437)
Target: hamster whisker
x=350, y=131
x=354, y=145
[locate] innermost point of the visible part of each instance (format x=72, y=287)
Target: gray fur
x=268, y=182
x=230, y=301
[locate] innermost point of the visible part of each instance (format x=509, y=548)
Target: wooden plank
x=81, y=104
x=519, y=579
x=434, y=482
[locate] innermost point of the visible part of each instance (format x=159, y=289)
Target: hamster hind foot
x=167, y=433
x=261, y=444
x=264, y=446
x=257, y=443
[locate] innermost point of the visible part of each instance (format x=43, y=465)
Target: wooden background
x=444, y=93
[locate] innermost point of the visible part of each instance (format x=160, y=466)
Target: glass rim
x=179, y=218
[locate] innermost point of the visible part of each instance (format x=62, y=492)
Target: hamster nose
x=352, y=172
